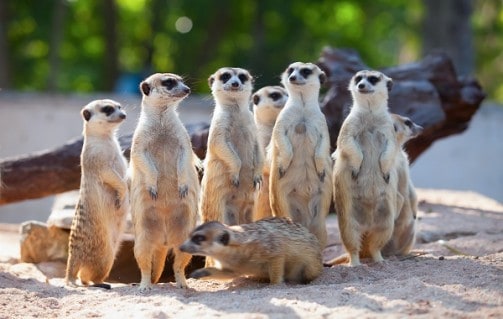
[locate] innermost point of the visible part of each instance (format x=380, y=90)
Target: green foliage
x=263, y=36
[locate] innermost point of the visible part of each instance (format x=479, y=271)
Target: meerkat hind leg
x=277, y=270
x=158, y=262
x=180, y=262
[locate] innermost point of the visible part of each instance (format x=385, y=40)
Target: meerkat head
x=209, y=239
x=369, y=86
x=102, y=115
x=405, y=129
x=302, y=76
x=268, y=102
x=163, y=89
x=231, y=84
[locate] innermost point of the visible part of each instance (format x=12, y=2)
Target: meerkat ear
x=211, y=79
x=256, y=99
x=224, y=238
x=389, y=84
x=145, y=88
x=323, y=77
x=86, y=114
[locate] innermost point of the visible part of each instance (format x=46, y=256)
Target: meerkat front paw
x=235, y=180
x=355, y=173
x=183, y=190
x=118, y=201
x=386, y=178
x=281, y=171
x=152, y=190
x=321, y=175
x=257, y=182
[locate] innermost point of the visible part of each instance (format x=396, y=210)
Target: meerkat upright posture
x=365, y=198
x=300, y=183
x=103, y=200
x=164, y=180
x=267, y=103
x=276, y=249
x=233, y=164
x=404, y=232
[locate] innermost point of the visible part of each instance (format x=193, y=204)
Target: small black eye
x=306, y=72
x=168, y=83
x=408, y=123
x=225, y=77
x=198, y=239
x=373, y=79
x=243, y=78
x=107, y=110
x=358, y=78
x=289, y=71
x=275, y=96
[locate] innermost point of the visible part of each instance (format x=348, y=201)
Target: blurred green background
x=110, y=45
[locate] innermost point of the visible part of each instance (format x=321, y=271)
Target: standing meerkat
x=164, y=180
x=103, y=200
x=365, y=198
x=267, y=103
x=403, y=236
x=233, y=164
x=300, y=183
x=274, y=249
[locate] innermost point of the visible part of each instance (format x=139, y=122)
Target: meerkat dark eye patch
x=358, y=79
x=256, y=99
x=289, y=71
x=373, y=79
x=243, y=78
x=198, y=239
x=169, y=83
x=306, y=72
x=408, y=123
x=275, y=96
x=224, y=77
x=107, y=110
x=224, y=238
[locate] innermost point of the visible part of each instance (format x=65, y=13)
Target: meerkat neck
x=304, y=98
x=371, y=104
x=99, y=132
x=233, y=102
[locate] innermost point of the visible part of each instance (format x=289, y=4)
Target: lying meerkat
x=103, y=201
x=164, y=180
x=403, y=236
x=274, y=249
x=267, y=103
x=364, y=171
x=233, y=164
x=300, y=183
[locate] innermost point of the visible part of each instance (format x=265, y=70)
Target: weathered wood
x=428, y=91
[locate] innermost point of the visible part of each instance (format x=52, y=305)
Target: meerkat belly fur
x=267, y=103
x=274, y=249
x=233, y=164
x=300, y=177
x=164, y=180
x=364, y=180
x=103, y=200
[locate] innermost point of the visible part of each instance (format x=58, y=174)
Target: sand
x=462, y=280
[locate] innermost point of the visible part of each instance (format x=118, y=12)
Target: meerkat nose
x=122, y=116
x=187, y=90
x=292, y=78
x=235, y=84
x=361, y=85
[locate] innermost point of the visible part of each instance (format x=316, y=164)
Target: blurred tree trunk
x=57, y=30
x=155, y=26
x=111, y=68
x=447, y=27
x=4, y=48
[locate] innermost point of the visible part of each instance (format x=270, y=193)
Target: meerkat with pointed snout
x=100, y=216
x=300, y=178
x=267, y=103
x=233, y=163
x=164, y=180
x=274, y=249
x=364, y=184
x=403, y=236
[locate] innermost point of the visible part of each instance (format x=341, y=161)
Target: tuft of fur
x=273, y=249
x=103, y=204
x=164, y=180
x=300, y=184
x=267, y=103
x=364, y=171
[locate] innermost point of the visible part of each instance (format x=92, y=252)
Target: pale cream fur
x=164, y=180
x=100, y=216
x=267, y=103
x=300, y=183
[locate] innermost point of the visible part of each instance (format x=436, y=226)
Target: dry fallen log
x=429, y=92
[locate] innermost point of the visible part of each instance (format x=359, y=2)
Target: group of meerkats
x=268, y=182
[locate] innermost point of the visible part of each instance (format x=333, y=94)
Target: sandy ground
x=461, y=280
